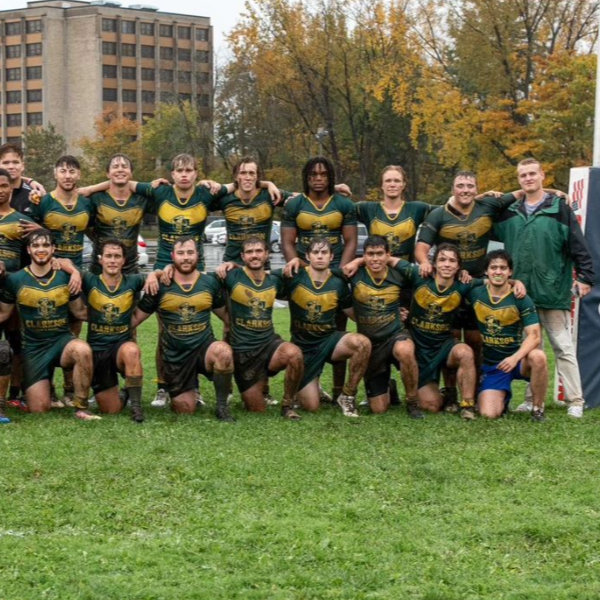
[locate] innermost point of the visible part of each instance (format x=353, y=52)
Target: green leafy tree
x=43, y=146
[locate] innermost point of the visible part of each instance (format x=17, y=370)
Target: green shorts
x=40, y=362
x=431, y=362
x=315, y=357
x=253, y=366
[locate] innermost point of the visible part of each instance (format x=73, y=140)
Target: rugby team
x=423, y=284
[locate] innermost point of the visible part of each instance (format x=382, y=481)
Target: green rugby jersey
x=400, y=231
x=185, y=314
x=302, y=214
x=471, y=232
x=377, y=302
x=245, y=218
x=250, y=307
x=66, y=224
x=433, y=309
x=120, y=219
x=501, y=322
x=313, y=307
x=177, y=217
x=43, y=305
x=110, y=311
x=11, y=240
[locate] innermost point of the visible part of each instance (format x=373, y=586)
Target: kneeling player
x=111, y=299
x=376, y=293
x=258, y=351
x=501, y=318
x=44, y=301
x=316, y=295
x=190, y=348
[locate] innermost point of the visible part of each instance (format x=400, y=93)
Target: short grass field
x=382, y=507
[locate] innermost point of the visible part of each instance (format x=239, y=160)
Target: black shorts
x=465, y=319
x=106, y=372
x=182, y=376
x=253, y=366
x=377, y=377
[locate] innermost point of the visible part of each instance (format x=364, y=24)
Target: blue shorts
x=494, y=379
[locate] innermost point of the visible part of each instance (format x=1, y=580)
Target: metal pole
x=596, y=159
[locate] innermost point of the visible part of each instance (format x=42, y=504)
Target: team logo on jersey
x=393, y=241
x=46, y=307
x=119, y=226
x=186, y=312
x=110, y=313
x=434, y=312
x=493, y=325
x=319, y=228
x=257, y=306
x=247, y=221
x=313, y=311
x=466, y=239
x=376, y=303
x=69, y=231
x=181, y=224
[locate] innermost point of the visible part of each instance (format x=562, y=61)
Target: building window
x=129, y=96
x=185, y=97
x=34, y=73
x=34, y=95
x=128, y=72
x=166, y=75
x=13, y=28
x=109, y=95
x=166, y=53
x=33, y=49
x=166, y=97
x=109, y=71
x=109, y=25
x=184, y=76
x=203, y=99
x=13, y=97
x=33, y=26
x=14, y=140
x=203, y=77
x=147, y=28
x=128, y=49
x=13, y=120
x=13, y=51
x=184, y=33
x=148, y=97
x=13, y=74
x=127, y=26
x=109, y=48
x=34, y=119
x=147, y=51
x=202, y=35
x=148, y=75
x=184, y=54
x=166, y=31
x=202, y=56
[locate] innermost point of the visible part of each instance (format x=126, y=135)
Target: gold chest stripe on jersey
x=468, y=231
x=172, y=214
x=504, y=316
x=250, y=215
x=55, y=221
x=10, y=231
x=176, y=303
x=100, y=300
x=246, y=295
x=32, y=297
x=365, y=293
x=403, y=230
x=309, y=299
x=425, y=297
x=322, y=222
x=130, y=215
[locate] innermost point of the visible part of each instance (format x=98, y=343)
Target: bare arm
x=350, y=235
x=5, y=310
x=422, y=258
x=78, y=309
x=88, y=190
x=64, y=264
x=349, y=312
x=288, y=240
x=531, y=342
x=139, y=316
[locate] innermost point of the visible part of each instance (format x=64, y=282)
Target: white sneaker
x=161, y=399
x=575, y=411
x=200, y=400
x=347, y=405
x=270, y=400
x=527, y=406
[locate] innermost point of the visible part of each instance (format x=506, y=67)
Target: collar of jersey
x=183, y=203
x=487, y=287
x=191, y=285
x=63, y=204
x=118, y=201
x=248, y=202
x=50, y=280
x=457, y=213
x=387, y=214
x=108, y=287
x=318, y=287
x=10, y=212
x=324, y=205
x=385, y=274
x=252, y=280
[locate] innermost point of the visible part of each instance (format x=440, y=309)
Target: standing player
x=315, y=296
x=12, y=159
x=501, y=318
x=43, y=299
x=190, y=349
x=111, y=299
x=322, y=212
x=376, y=292
x=258, y=351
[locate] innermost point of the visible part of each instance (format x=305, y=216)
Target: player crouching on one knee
x=502, y=318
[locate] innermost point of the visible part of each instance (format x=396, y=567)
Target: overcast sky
x=223, y=13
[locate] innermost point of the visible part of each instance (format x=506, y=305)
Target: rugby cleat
x=200, y=403
x=537, y=415
x=18, y=403
x=467, y=413
x=287, y=412
x=348, y=405
x=270, y=400
x=413, y=411
x=324, y=397
x=86, y=415
x=527, y=406
x=222, y=413
x=161, y=399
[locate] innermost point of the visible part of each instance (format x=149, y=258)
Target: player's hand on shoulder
x=75, y=283
x=519, y=289
x=152, y=284
x=213, y=186
x=222, y=270
x=352, y=267
x=292, y=267
x=37, y=187
x=464, y=277
x=160, y=181
x=342, y=188
x=425, y=269
x=167, y=275
x=26, y=227
x=489, y=194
